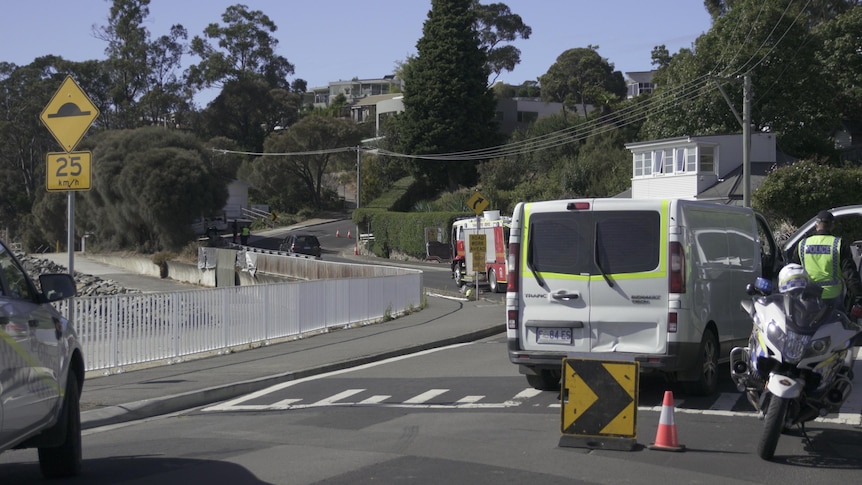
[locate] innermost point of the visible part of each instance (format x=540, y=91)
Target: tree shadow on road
x=139, y=469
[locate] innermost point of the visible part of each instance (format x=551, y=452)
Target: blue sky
x=339, y=39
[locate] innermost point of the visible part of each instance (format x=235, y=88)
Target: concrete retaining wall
x=183, y=272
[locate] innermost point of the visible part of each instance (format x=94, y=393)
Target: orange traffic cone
x=356, y=249
x=348, y=234
x=665, y=437
x=338, y=233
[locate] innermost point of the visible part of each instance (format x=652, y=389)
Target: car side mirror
x=57, y=286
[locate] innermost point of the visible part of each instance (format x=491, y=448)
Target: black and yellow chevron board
x=600, y=398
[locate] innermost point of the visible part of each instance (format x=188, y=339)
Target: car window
x=306, y=240
x=14, y=281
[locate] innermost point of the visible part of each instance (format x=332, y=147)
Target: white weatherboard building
x=699, y=167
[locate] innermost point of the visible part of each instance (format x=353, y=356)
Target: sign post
x=68, y=116
x=478, y=203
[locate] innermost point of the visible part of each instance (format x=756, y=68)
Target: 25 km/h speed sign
x=68, y=171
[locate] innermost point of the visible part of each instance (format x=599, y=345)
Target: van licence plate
x=553, y=335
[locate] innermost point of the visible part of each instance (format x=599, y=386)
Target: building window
x=643, y=164
x=680, y=159
x=707, y=159
x=691, y=159
x=527, y=116
x=639, y=164
x=667, y=161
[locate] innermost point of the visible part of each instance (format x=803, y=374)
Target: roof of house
x=376, y=98
x=640, y=76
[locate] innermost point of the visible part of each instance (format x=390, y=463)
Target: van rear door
x=594, y=276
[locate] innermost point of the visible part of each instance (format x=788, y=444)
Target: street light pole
x=358, y=184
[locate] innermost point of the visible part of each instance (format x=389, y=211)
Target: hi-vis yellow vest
x=820, y=257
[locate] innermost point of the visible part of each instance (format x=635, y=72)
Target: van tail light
x=513, y=261
x=672, y=322
x=676, y=278
x=514, y=270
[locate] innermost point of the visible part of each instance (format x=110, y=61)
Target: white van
x=655, y=280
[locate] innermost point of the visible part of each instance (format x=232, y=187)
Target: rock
x=88, y=285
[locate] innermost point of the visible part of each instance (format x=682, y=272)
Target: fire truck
x=494, y=272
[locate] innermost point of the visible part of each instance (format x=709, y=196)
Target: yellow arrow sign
x=69, y=114
x=478, y=203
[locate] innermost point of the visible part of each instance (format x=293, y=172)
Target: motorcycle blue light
x=763, y=285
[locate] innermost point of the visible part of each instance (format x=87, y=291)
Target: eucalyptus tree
x=243, y=46
x=498, y=27
x=316, y=144
x=772, y=42
x=147, y=85
x=239, y=57
x=581, y=77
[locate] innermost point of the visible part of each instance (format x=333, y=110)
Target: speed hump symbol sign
x=69, y=114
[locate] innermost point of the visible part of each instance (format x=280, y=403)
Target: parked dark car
x=41, y=369
x=301, y=243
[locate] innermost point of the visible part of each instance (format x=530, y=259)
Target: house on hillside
x=639, y=82
x=354, y=90
x=700, y=167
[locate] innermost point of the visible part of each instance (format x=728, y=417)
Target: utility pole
x=358, y=183
x=745, y=122
x=746, y=142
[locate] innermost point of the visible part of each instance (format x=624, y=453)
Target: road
x=456, y=415
x=335, y=244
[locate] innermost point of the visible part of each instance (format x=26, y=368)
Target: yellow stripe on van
x=660, y=272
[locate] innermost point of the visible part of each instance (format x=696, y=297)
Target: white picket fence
x=130, y=329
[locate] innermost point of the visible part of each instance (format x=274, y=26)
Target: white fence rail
x=130, y=329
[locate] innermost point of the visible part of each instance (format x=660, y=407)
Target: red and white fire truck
x=494, y=272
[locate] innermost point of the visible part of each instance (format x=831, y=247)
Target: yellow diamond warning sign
x=69, y=114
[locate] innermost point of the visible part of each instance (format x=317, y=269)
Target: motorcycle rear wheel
x=772, y=427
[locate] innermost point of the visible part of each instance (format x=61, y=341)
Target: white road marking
x=374, y=400
x=426, y=396
x=234, y=404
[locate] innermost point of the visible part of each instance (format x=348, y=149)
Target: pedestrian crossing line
x=425, y=396
x=284, y=404
x=726, y=400
x=522, y=396
x=375, y=400
x=468, y=401
x=723, y=404
x=337, y=397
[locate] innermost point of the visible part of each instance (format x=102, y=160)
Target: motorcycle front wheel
x=772, y=427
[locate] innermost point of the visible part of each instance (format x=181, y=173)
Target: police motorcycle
x=799, y=360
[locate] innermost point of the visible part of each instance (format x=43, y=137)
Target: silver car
x=41, y=369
